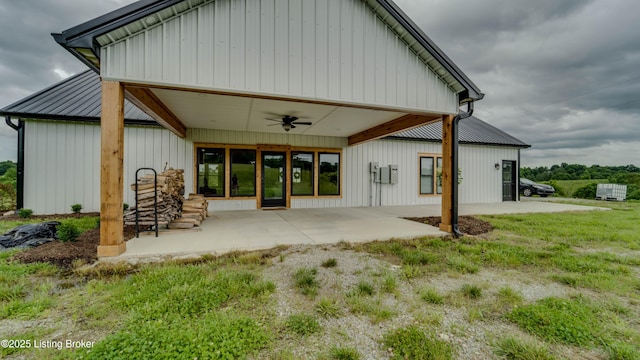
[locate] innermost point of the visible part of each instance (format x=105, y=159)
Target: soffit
x=238, y=113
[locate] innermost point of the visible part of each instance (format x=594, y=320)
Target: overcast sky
x=561, y=75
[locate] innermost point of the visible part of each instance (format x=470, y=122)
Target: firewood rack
x=155, y=200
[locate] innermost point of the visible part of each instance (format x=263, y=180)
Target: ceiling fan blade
x=302, y=123
x=293, y=126
x=274, y=125
x=278, y=120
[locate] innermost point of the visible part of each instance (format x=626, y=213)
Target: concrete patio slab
x=226, y=231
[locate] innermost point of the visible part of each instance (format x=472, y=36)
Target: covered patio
x=352, y=72
x=247, y=230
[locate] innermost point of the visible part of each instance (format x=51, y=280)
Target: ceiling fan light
x=286, y=126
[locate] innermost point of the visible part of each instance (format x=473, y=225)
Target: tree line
x=626, y=175
x=8, y=179
x=566, y=171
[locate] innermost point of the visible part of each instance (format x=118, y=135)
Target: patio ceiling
x=243, y=113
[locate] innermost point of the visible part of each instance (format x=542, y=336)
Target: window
x=426, y=175
x=211, y=172
x=439, y=175
x=329, y=174
x=243, y=172
x=301, y=173
x=430, y=175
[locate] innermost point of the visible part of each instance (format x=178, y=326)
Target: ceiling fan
x=288, y=122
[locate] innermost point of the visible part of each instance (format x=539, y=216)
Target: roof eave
x=83, y=35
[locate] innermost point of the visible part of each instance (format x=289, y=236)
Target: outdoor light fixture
x=497, y=166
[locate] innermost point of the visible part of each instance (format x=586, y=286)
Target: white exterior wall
x=62, y=166
x=332, y=50
x=62, y=162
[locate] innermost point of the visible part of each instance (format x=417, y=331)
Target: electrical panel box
x=374, y=168
x=384, y=175
x=393, y=174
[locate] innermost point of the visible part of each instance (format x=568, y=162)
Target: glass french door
x=273, y=179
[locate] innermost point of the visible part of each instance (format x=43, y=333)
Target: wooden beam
x=111, y=170
x=402, y=123
x=146, y=100
x=447, y=185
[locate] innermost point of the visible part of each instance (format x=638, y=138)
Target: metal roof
x=75, y=98
x=84, y=40
x=471, y=131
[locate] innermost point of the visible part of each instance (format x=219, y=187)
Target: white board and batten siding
x=321, y=50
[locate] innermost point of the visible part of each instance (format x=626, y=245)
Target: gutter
x=454, y=172
x=20, y=169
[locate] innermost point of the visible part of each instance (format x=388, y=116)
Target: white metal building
x=62, y=156
x=265, y=103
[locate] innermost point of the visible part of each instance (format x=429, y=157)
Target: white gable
x=321, y=50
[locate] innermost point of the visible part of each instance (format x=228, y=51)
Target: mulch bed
x=49, y=217
x=64, y=253
x=467, y=224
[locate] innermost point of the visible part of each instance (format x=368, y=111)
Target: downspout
x=20, y=168
x=454, y=171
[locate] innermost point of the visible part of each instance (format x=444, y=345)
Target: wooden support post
x=447, y=161
x=111, y=170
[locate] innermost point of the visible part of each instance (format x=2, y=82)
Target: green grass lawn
x=228, y=307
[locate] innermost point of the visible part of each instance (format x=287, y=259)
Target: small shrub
x=329, y=263
x=76, y=208
x=413, y=343
x=431, y=296
x=328, y=308
x=305, y=280
x=471, y=291
x=303, y=324
x=25, y=213
x=67, y=232
x=344, y=353
x=586, y=192
x=125, y=206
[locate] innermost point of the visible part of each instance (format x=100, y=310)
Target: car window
x=526, y=181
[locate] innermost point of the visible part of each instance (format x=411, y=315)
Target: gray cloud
x=563, y=76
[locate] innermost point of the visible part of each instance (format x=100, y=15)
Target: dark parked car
x=529, y=188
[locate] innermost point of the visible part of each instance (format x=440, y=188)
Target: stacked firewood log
x=194, y=211
x=170, y=191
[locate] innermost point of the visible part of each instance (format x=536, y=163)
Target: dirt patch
x=64, y=253
x=467, y=224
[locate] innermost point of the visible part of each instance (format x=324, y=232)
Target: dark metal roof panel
x=471, y=131
x=75, y=98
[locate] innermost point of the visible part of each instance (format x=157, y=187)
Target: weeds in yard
x=513, y=348
x=413, y=343
x=302, y=324
x=471, y=291
x=389, y=283
x=344, y=353
x=508, y=296
x=373, y=308
x=328, y=308
x=305, y=280
x=329, y=263
x=431, y=296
